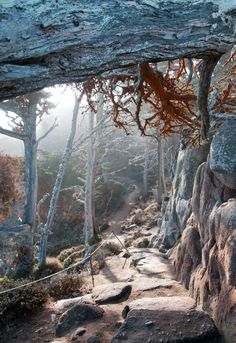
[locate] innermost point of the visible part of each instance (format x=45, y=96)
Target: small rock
x=149, y=323
x=93, y=339
x=130, y=279
x=125, y=254
x=53, y=317
x=162, y=249
x=80, y=331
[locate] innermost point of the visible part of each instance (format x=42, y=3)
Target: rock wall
x=179, y=207
x=205, y=256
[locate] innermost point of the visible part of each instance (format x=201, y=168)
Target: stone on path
x=174, y=303
x=76, y=316
x=165, y=319
x=111, y=293
x=150, y=284
x=67, y=303
x=80, y=331
x=149, y=263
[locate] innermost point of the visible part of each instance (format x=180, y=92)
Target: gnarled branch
x=71, y=41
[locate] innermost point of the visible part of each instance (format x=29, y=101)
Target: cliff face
x=205, y=256
x=179, y=207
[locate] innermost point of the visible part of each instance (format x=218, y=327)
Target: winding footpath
x=139, y=299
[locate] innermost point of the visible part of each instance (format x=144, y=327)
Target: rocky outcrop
x=223, y=154
x=204, y=259
x=78, y=315
x=179, y=206
x=165, y=319
x=111, y=293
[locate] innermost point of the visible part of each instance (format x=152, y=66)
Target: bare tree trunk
x=89, y=186
x=160, y=175
x=59, y=179
x=31, y=182
x=145, y=171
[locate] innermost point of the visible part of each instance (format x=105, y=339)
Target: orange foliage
x=9, y=194
x=168, y=91
x=170, y=99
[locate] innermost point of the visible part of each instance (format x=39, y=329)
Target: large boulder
x=179, y=208
x=204, y=258
x=77, y=316
x=165, y=319
x=223, y=154
x=111, y=293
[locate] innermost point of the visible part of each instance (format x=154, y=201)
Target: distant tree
x=25, y=112
x=161, y=187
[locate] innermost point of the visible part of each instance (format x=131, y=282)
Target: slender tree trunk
x=31, y=182
x=89, y=186
x=145, y=172
x=31, y=176
x=160, y=175
x=57, y=186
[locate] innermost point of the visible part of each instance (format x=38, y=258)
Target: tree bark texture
x=89, y=185
x=45, y=43
x=31, y=182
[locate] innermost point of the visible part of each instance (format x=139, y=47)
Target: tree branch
x=207, y=68
x=13, y=134
x=71, y=41
x=48, y=131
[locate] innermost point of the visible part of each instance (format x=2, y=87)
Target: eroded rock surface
x=205, y=257
x=116, y=292
x=149, y=262
x=223, y=154
x=165, y=319
x=147, y=284
x=76, y=316
x=179, y=208
x=65, y=304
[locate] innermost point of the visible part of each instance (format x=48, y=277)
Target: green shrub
x=75, y=257
x=22, y=300
x=65, y=286
x=66, y=253
x=51, y=266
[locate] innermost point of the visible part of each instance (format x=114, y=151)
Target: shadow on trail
x=115, y=220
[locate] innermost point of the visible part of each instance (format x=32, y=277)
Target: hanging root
x=207, y=67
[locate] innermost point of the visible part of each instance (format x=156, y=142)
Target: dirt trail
x=150, y=275
x=158, y=307
x=115, y=220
